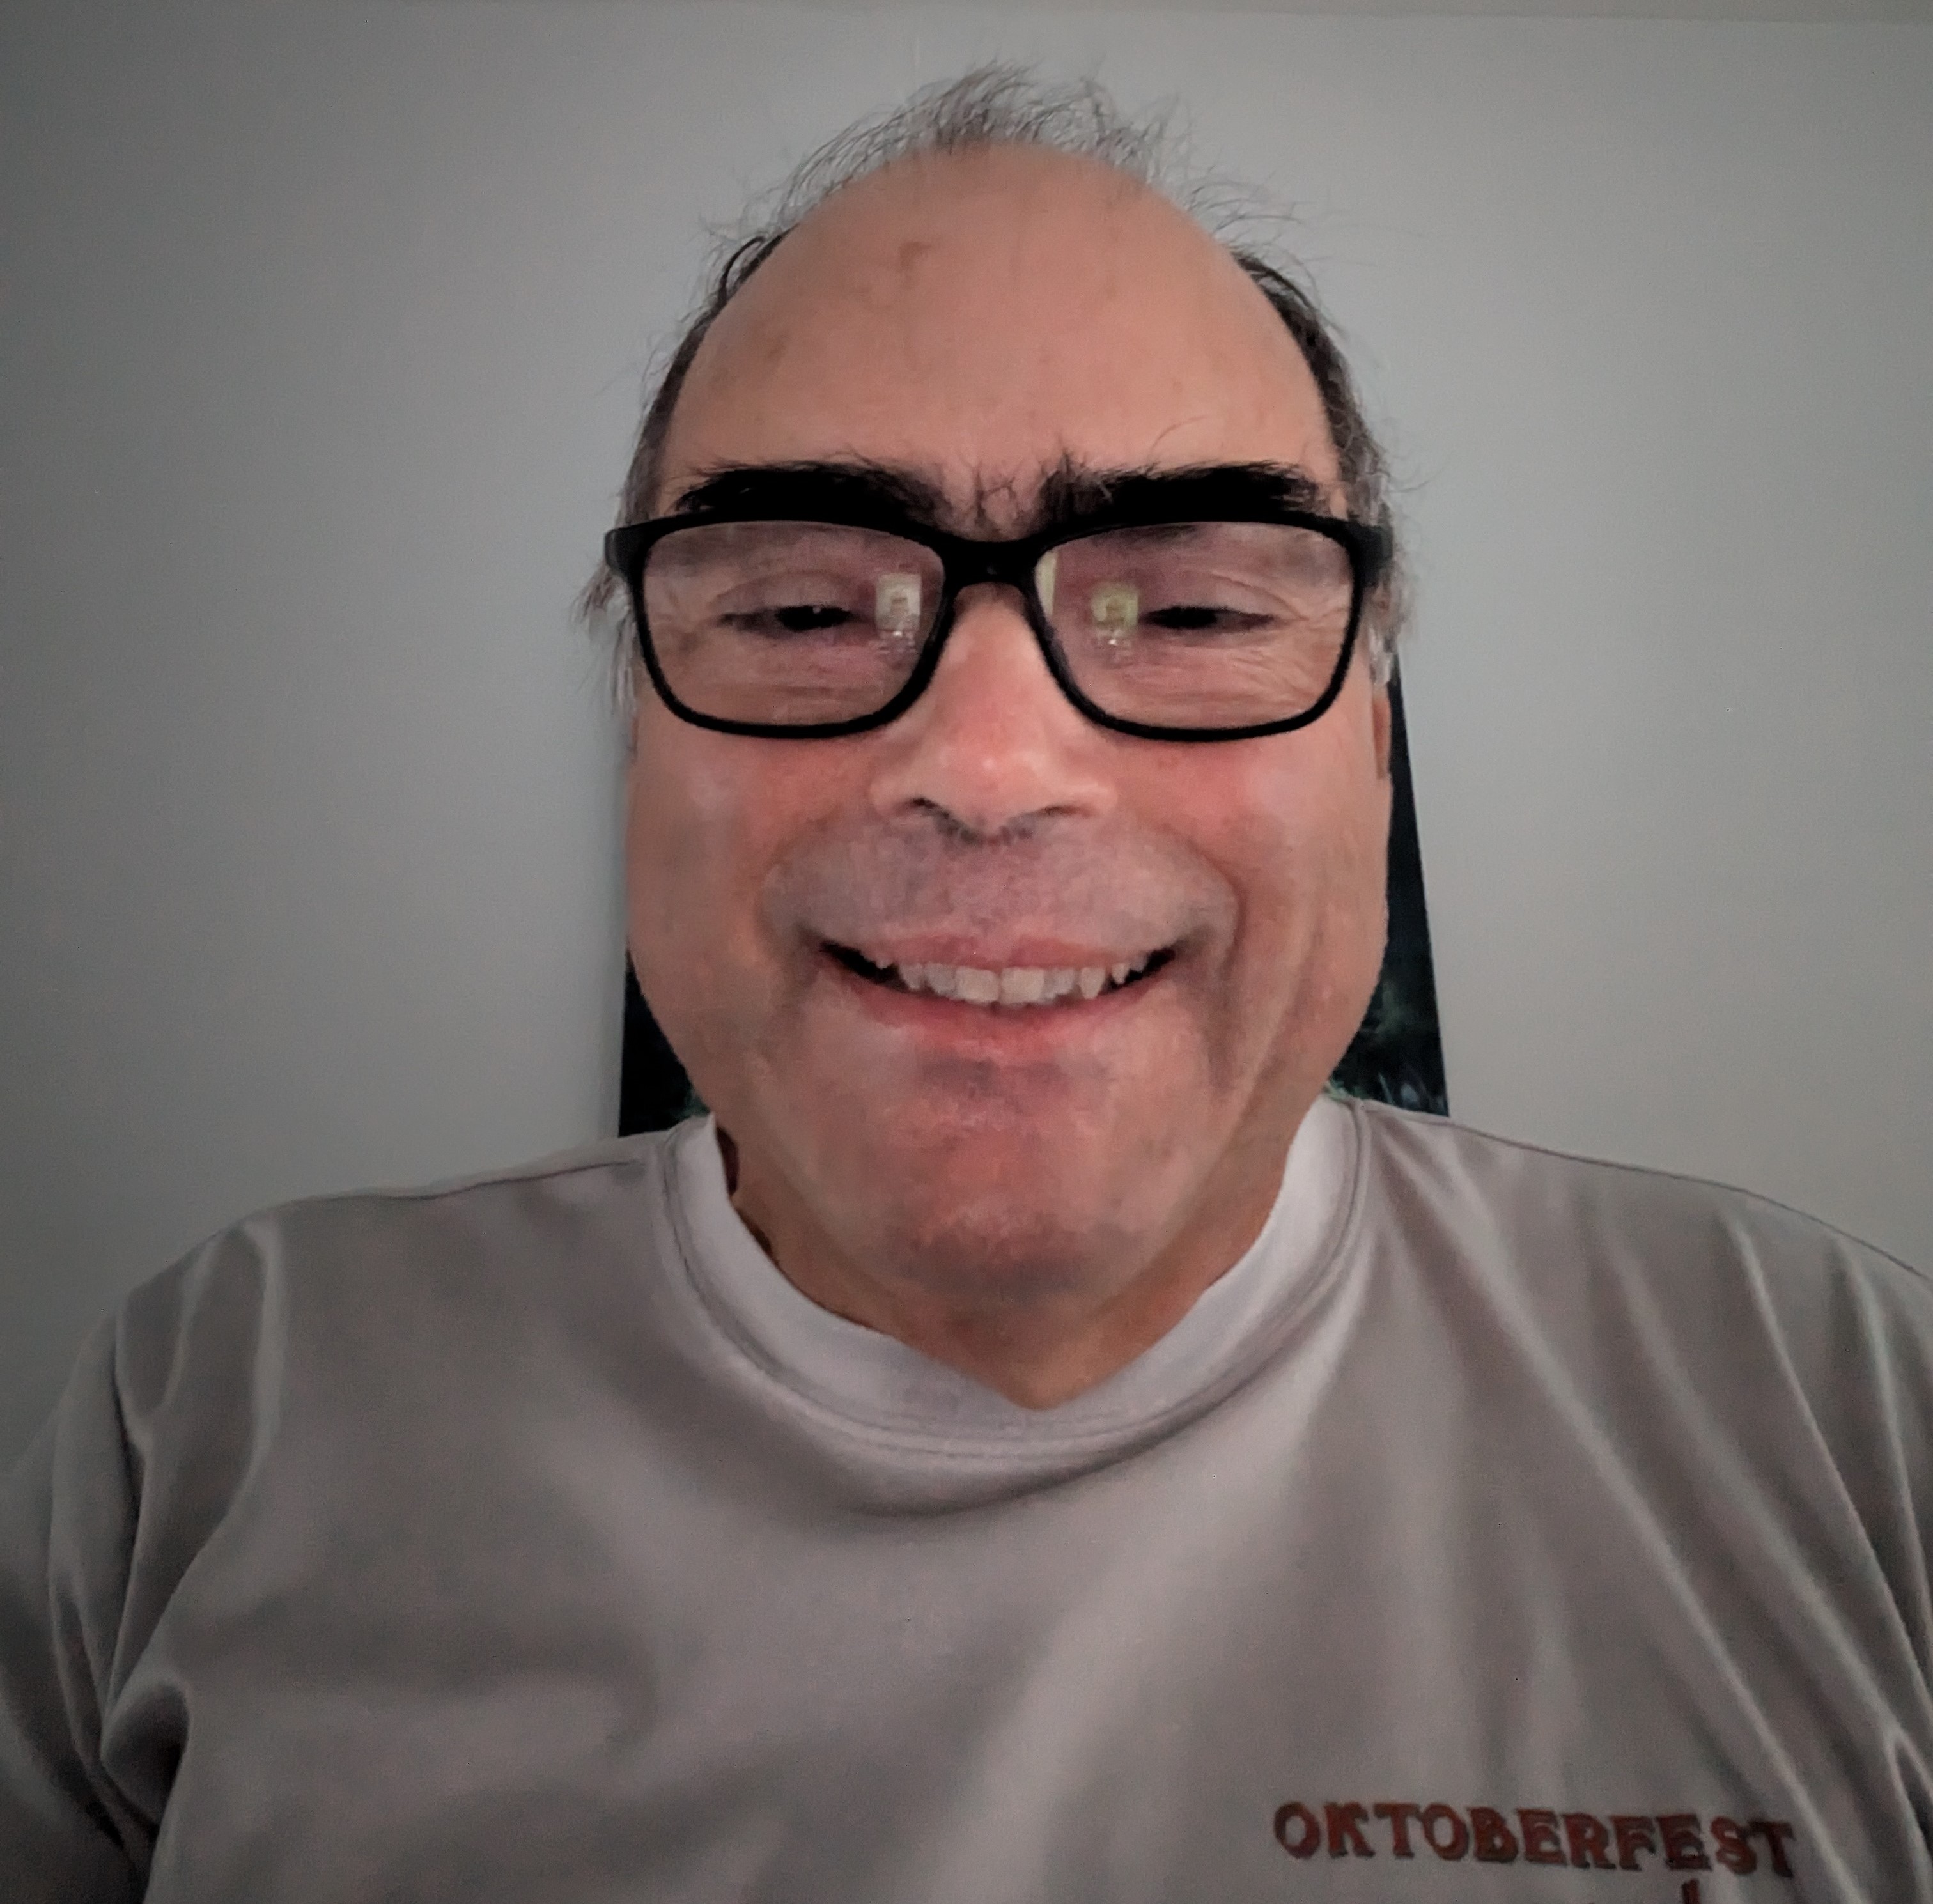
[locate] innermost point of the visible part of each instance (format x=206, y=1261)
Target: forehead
x=991, y=315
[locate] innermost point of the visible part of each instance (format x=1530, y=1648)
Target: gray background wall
x=323, y=330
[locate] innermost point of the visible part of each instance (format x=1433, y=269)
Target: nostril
x=965, y=833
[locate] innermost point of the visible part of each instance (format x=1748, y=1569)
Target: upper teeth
x=1018, y=985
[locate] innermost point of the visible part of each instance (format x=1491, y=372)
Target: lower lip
x=990, y=1027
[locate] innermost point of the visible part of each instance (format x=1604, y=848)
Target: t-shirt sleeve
x=67, y=1513
x=1875, y=1409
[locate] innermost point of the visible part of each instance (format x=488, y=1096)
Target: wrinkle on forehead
x=978, y=315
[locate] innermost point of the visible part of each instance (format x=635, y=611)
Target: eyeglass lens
x=1183, y=625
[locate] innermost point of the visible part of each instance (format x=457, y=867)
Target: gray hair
x=1006, y=105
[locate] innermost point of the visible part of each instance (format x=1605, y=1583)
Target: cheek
x=690, y=843
x=1303, y=825
x=708, y=816
x=1307, y=857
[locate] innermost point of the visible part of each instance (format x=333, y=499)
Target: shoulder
x=286, y=1360
x=581, y=1187
x=1654, y=1297
x=375, y=1274
x=1445, y=1181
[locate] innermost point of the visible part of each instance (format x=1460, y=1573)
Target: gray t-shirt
x=1504, y=1526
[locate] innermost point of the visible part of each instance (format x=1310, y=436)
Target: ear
x=1379, y=725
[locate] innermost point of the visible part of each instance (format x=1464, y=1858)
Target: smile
x=1009, y=986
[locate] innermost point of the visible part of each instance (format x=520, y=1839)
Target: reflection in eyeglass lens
x=896, y=605
x=1115, y=608
x=1046, y=573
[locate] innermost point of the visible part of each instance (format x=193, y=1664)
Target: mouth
x=1009, y=988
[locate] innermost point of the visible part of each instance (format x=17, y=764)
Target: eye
x=1175, y=604
x=1192, y=618
x=790, y=618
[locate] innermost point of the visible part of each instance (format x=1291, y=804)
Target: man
x=1029, y=1442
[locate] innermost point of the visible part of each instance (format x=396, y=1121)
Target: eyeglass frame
x=969, y=561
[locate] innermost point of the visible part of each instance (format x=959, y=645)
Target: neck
x=1038, y=1349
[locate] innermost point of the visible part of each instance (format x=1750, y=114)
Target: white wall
x=323, y=327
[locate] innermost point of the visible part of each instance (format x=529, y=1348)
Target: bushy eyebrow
x=805, y=488
x=1072, y=492
x=1067, y=495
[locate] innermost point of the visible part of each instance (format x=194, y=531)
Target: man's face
x=980, y=321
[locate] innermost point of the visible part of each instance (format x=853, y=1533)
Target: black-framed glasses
x=796, y=627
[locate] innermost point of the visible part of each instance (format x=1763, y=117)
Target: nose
x=993, y=747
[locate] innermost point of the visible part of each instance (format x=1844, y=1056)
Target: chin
x=1002, y=1210
x=1015, y=1254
